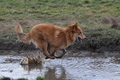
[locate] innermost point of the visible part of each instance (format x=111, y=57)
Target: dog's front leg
x=64, y=52
x=52, y=52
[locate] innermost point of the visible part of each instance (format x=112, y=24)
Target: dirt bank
x=87, y=45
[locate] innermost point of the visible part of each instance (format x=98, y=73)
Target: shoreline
x=76, y=47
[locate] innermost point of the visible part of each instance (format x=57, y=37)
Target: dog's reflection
x=54, y=73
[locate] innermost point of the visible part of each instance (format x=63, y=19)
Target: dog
x=50, y=37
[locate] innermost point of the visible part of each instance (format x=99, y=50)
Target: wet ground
x=82, y=65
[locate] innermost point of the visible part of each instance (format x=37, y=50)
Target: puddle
x=77, y=66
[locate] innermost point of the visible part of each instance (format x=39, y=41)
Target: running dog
x=50, y=38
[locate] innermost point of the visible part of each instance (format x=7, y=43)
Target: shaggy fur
x=50, y=38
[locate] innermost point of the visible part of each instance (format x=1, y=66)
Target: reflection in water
x=32, y=67
x=55, y=73
x=83, y=66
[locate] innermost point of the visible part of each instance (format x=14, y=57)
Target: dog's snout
x=85, y=38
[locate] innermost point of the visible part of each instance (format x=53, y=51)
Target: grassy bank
x=99, y=19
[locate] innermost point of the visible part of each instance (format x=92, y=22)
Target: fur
x=50, y=38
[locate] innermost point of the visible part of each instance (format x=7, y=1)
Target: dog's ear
x=74, y=26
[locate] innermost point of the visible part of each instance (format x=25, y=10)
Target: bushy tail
x=20, y=35
x=18, y=29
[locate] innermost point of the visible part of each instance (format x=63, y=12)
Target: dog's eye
x=79, y=32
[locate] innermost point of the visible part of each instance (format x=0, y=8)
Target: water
x=83, y=65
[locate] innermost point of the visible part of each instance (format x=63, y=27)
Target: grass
x=95, y=17
x=44, y=9
x=40, y=78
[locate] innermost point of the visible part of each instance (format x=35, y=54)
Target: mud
x=86, y=44
x=83, y=65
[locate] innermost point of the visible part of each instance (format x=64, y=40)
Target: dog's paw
x=52, y=57
x=46, y=57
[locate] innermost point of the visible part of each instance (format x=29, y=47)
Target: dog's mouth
x=79, y=39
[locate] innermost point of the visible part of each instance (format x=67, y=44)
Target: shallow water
x=82, y=65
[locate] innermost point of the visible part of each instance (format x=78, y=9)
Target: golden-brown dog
x=50, y=38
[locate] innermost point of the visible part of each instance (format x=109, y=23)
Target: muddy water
x=82, y=65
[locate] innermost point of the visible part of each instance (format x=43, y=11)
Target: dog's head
x=77, y=31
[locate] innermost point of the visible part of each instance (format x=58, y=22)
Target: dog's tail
x=22, y=37
x=18, y=29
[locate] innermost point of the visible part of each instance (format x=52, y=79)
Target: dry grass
x=112, y=21
x=7, y=32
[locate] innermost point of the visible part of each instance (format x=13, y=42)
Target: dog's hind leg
x=51, y=50
x=43, y=45
x=48, y=47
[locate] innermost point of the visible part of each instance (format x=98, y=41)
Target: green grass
x=47, y=9
x=40, y=78
x=87, y=13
